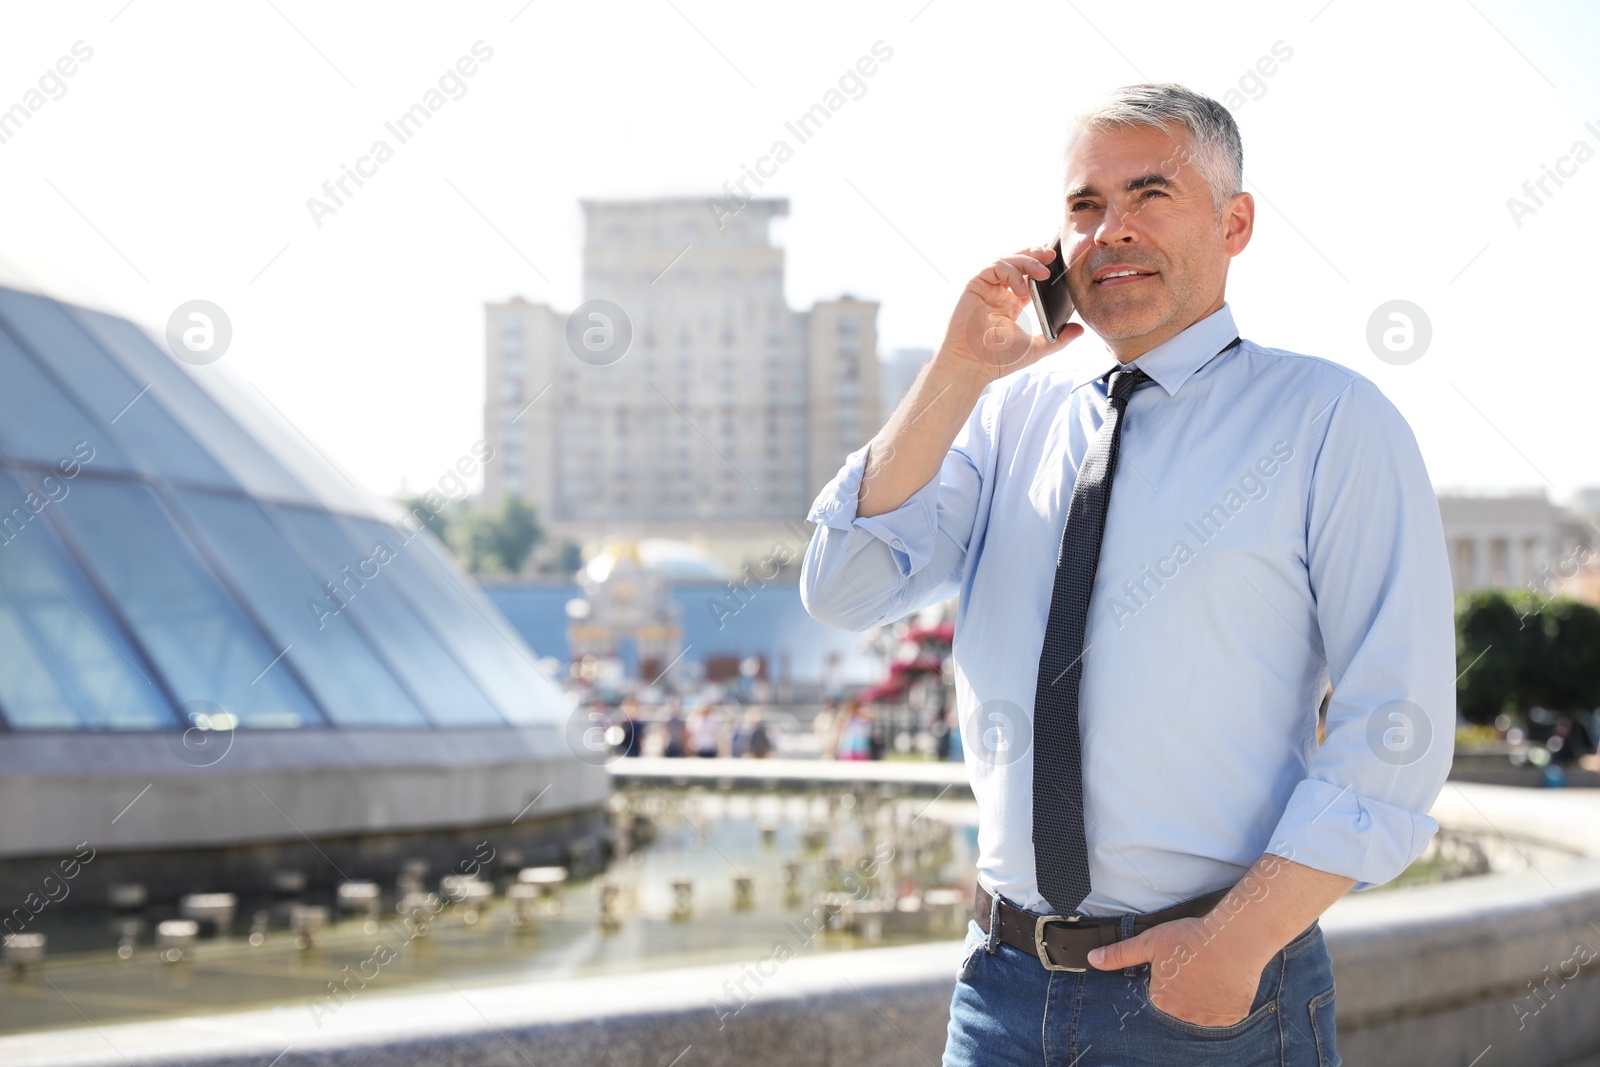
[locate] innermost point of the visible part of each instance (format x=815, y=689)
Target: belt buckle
x=1038, y=941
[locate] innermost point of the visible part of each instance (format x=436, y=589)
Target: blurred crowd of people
x=851, y=731
x=707, y=731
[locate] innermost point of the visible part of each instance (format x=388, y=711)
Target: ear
x=1238, y=223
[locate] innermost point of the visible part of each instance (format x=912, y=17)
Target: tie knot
x=1123, y=382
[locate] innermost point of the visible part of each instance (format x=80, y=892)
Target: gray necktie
x=1060, y=850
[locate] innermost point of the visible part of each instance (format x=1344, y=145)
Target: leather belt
x=1062, y=942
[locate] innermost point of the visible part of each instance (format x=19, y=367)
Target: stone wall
x=1483, y=971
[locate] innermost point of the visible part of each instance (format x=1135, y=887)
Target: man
x=630, y=744
x=753, y=738
x=677, y=731
x=1166, y=550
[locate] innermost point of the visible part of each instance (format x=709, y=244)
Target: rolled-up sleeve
x=1378, y=567
x=862, y=572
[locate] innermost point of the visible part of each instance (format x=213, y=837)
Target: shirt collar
x=1174, y=360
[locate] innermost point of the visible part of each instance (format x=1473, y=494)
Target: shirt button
x=896, y=543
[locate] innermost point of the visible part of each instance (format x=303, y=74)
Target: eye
x=1076, y=204
x=1153, y=192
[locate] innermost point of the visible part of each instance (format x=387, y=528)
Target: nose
x=1116, y=226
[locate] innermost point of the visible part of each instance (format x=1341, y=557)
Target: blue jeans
x=1008, y=1011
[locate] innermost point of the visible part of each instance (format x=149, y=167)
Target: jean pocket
x=1261, y=1011
x=971, y=950
x=1310, y=936
x=1322, y=1029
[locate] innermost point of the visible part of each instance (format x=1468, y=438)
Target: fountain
x=359, y=898
x=788, y=879
x=211, y=911
x=525, y=903
x=22, y=951
x=175, y=937
x=126, y=896
x=547, y=883
x=307, y=921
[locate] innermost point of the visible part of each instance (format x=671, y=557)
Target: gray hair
x=1217, y=152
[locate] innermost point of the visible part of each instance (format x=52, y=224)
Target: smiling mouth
x=1124, y=277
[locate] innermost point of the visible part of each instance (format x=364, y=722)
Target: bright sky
x=177, y=163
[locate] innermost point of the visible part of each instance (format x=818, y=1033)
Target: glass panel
x=474, y=629
x=41, y=423
x=448, y=694
x=146, y=432
x=65, y=663
x=175, y=390
x=349, y=682
x=200, y=639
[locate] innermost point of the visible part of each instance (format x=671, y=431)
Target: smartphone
x=1051, y=302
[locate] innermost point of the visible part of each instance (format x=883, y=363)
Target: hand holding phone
x=1052, y=304
x=985, y=335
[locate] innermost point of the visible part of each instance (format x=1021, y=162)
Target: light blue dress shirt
x=1271, y=528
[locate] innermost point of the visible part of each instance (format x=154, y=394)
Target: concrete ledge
x=1483, y=971
x=1432, y=950
x=1438, y=975
x=907, y=776
x=891, y=1010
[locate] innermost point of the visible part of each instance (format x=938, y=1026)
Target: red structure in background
x=919, y=654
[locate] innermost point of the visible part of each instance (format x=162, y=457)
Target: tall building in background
x=725, y=416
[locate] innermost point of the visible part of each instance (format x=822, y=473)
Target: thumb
x=1120, y=954
x=1069, y=333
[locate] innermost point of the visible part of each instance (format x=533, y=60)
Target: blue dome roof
x=170, y=548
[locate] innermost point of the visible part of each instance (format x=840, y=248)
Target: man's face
x=1135, y=201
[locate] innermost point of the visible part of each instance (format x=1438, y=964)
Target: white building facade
x=727, y=411
x=1514, y=541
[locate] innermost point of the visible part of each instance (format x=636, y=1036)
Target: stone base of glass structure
x=335, y=805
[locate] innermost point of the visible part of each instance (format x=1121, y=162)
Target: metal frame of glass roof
x=206, y=561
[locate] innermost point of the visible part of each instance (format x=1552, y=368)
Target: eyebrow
x=1133, y=185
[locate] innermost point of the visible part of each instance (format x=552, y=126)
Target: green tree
x=499, y=540
x=434, y=520
x=1568, y=671
x=1492, y=645
x=1523, y=651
